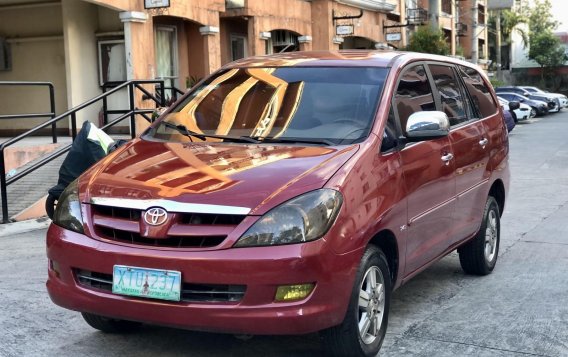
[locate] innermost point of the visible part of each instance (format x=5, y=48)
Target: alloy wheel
x=371, y=305
x=491, y=236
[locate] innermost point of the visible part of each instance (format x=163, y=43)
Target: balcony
x=416, y=16
x=461, y=29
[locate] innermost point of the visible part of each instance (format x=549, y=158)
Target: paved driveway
x=521, y=309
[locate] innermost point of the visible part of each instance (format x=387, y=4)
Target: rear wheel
x=365, y=325
x=109, y=325
x=479, y=255
x=533, y=112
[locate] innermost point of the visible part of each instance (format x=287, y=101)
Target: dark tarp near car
x=83, y=153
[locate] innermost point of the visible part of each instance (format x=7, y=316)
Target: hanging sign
x=393, y=36
x=344, y=30
x=156, y=4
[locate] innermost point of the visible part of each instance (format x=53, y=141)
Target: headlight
x=302, y=219
x=68, y=210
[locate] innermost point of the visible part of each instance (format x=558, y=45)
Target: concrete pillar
x=81, y=61
x=498, y=43
x=433, y=13
x=474, y=44
x=211, y=48
x=140, y=64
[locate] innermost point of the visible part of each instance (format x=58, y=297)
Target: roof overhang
x=373, y=5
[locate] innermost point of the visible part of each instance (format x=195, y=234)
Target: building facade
x=80, y=44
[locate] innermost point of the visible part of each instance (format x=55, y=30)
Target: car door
x=469, y=143
x=428, y=174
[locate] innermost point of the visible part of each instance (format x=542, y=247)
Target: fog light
x=293, y=292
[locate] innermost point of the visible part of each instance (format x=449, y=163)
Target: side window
x=479, y=92
x=413, y=94
x=453, y=103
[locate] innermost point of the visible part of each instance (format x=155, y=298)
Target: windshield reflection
x=327, y=105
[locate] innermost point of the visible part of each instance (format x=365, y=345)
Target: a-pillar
x=139, y=45
x=211, y=48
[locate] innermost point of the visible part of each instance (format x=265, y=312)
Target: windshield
x=320, y=105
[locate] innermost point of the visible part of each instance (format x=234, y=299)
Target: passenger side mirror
x=514, y=105
x=427, y=125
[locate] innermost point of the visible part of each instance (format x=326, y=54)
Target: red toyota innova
x=288, y=194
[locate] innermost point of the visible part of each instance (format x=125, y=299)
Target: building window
x=166, y=57
x=112, y=61
x=238, y=47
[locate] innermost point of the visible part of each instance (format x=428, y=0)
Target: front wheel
x=363, y=330
x=533, y=112
x=479, y=255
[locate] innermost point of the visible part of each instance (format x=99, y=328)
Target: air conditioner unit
x=5, y=55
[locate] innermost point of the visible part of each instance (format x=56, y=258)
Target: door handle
x=483, y=142
x=446, y=158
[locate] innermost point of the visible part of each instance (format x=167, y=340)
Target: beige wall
x=37, y=55
x=80, y=22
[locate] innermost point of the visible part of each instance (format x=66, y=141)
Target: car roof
x=342, y=58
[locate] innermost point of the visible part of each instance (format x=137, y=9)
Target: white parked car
x=523, y=113
x=560, y=99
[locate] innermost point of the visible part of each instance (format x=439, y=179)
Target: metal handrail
x=51, y=114
x=131, y=113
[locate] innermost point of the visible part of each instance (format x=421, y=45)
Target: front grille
x=121, y=224
x=171, y=242
x=190, y=292
x=185, y=218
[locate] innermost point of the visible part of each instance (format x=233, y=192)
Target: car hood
x=254, y=176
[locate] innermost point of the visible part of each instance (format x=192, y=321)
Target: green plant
x=428, y=40
x=190, y=81
x=496, y=82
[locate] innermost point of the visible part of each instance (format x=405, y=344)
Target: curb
x=11, y=229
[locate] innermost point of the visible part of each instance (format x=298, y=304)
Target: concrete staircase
x=26, y=197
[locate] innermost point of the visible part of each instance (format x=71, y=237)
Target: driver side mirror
x=427, y=125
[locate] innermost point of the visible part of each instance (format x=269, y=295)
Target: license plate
x=146, y=283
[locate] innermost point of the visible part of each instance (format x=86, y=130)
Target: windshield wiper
x=270, y=139
x=189, y=133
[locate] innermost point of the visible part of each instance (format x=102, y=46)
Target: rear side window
x=478, y=91
x=451, y=96
x=413, y=94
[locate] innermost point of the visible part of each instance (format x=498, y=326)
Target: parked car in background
x=288, y=194
x=523, y=112
x=553, y=103
x=562, y=99
x=540, y=107
x=512, y=89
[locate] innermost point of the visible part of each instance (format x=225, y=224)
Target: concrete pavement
x=519, y=310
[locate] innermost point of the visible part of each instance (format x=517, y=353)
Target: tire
x=533, y=112
x=346, y=338
x=50, y=204
x=109, y=325
x=479, y=255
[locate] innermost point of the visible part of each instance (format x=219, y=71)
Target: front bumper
x=261, y=269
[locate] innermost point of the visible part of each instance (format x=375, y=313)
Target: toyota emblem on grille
x=155, y=216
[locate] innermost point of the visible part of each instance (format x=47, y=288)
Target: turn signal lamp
x=293, y=292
